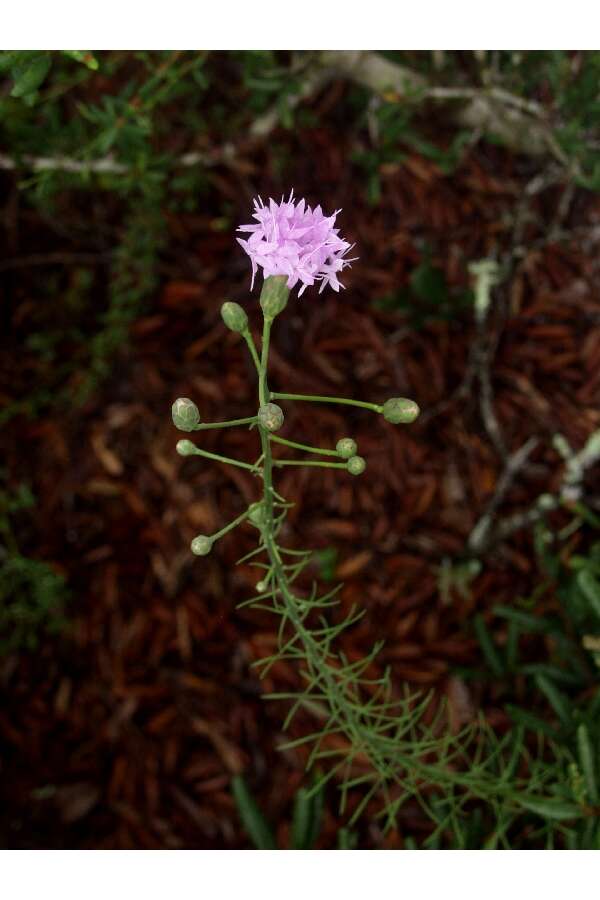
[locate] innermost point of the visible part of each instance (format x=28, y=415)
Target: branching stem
x=224, y=459
x=204, y=426
x=296, y=446
x=312, y=398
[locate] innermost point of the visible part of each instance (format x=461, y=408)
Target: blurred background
x=129, y=700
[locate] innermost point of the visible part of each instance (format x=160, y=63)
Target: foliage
x=568, y=84
x=32, y=594
x=563, y=685
x=427, y=297
x=305, y=825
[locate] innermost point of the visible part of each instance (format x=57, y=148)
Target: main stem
x=291, y=601
x=263, y=398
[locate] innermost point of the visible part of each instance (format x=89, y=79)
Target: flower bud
x=201, y=545
x=274, y=295
x=346, y=448
x=257, y=514
x=356, y=465
x=546, y=502
x=261, y=586
x=185, y=448
x=399, y=410
x=185, y=414
x=270, y=416
x=234, y=316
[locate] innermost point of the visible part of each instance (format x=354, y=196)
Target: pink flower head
x=294, y=240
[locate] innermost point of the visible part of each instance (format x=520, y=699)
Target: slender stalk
x=252, y=348
x=313, y=398
x=224, y=459
x=267, y=459
x=263, y=391
x=309, y=462
x=307, y=447
x=231, y=526
x=292, y=603
x=202, y=426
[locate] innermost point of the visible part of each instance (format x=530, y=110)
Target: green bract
x=274, y=295
x=185, y=414
x=234, y=316
x=400, y=410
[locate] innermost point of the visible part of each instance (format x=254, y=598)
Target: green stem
x=252, y=348
x=224, y=459
x=296, y=446
x=231, y=526
x=267, y=459
x=309, y=462
x=251, y=420
x=312, y=398
x=263, y=390
x=292, y=603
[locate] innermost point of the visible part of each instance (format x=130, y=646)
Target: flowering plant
x=409, y=752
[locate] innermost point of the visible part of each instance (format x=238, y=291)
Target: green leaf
x=550, y=809
x=560, y=702
x=306, y=819
x=586, y=755
x=529, y=720
x=347, y=840
x=526, y=621
x=589, y=586
x=429, y=283
x=253, y=820
x=85, y=57
x=327, y=560
x=28, y=77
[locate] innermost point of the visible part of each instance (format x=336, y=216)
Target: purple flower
x=294, y=240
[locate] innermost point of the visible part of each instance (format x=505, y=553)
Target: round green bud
x=546, y=502
x=257, y=514
x=274, y=295
x=356, y=465
x=234, y=316
x=270, y=416
x=201, y=545
x=399, y=410
x=185, y=414
x=185, y=448
x=346, y=448
x=261, y=586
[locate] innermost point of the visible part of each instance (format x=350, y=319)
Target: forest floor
x=124, y=730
